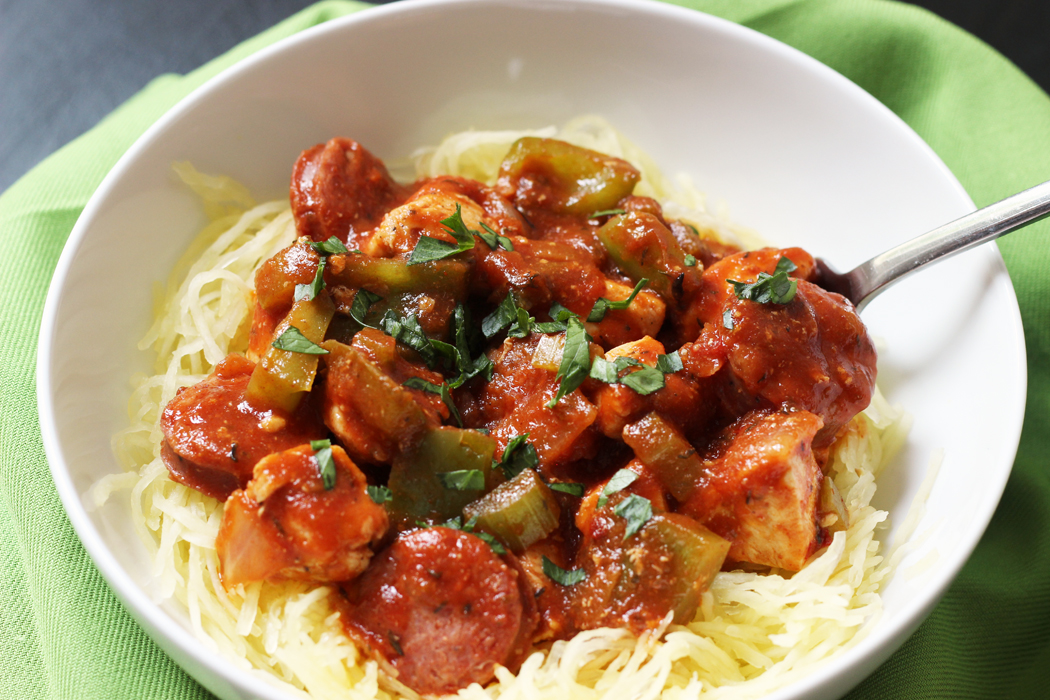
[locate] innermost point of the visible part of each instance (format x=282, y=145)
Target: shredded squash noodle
x=753, y=632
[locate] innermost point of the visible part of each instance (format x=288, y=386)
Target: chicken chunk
x=812, y=353
x=763, y=489
x=420, y=216
x=514, y=403
x=287, y=524
x=643, y=317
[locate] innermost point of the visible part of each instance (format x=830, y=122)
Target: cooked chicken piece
x=514, y=403
x=286, y=524
x=643, y=317
x=811, y=353
x=421, y=215
x=763, y=489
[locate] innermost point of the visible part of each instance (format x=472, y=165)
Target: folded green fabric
x=64, y=635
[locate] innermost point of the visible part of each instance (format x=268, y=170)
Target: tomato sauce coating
x=442, y=609
x=554, y=322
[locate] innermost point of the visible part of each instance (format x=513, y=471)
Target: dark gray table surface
x=65, y=64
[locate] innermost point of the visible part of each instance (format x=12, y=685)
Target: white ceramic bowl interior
x=797, y=152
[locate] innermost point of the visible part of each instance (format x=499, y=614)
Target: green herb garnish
x=462, y=480
x=606, y=212
x=636, y=511
x=325, y=464
x=570, y=488
x=777, y=288
x=508, y=315
x=408, y=332
x=560, y=318
x=603, y=305
x=575, y=360
x=439, y=389
x=669, y=363
x=379, y=494
x=457, y=523
x=492, y=239
x=619, y=481
x=518, y=455
x=428, y=249
x=690, y=260
x=561, y=576
x=644, y=380
x=333, y=246
x=293, y=340
x=309, y=291
x=363, y=301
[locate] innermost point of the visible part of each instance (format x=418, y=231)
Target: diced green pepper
x=573, y=180
x=282, y=377
x=685, y=553
x=641, y=246
x=519, y=512
x=659, y=445
x=276, y=279
x=387, y=407
x=418, y=491
x=399, y=286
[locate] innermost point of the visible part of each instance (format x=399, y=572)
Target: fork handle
x=875, y=275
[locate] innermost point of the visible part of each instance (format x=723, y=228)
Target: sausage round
x=441, y=609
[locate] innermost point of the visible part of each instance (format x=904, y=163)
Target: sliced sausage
x=213, y=436
x=340, y=189
x=441, y=609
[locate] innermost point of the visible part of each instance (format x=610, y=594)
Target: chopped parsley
x=309, y=291
x=669, y=363
x=607, y=212
x=571, y=488
x=619, y=481
x=428, y=249
x=439, y=389
x=409, y=333
x=457, y=523
x=561, y=576
x=636, y=511
x=325, y=463
x=518, y=455
x=602, y=306
x=690, y=260
x=363, y=301
x=493, y=239
x=510, y=316
x=293, y=340
x=462, y=480
x=379, y=494
x=575, y=360
x=777, y=288
x=333, y=246
x=644, y=380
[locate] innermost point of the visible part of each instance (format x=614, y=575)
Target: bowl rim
x=863, y=656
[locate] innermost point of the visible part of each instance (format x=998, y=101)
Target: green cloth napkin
x=64, y=635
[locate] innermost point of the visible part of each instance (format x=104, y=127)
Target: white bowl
x=801, y=154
